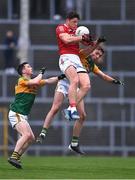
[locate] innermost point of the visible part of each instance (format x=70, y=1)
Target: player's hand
x=116, y=81
x=42, y=70
x=101, y=39
x=86, y=38
x=62, y=76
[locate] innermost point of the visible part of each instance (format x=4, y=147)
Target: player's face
x=96, y=55
x=27, y=69
x=73, y=23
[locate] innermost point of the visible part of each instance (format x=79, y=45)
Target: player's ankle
x=42, y=135
x=75, y=141
x=44, y=131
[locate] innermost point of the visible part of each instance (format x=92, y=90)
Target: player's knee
x=33, y=138
x=55, y=109
x=30, y=137
x=82, y=117
x=86, y=87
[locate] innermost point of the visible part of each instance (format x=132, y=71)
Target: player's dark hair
x=72, y=15
x=20, y=68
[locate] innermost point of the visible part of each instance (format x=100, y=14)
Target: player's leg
x=27, y=135
x=28, y=143
x=72, y=76
x=78, y=125
x=57, y=102
x=85, y=85
x=24, y=148
x=67, y=65
x=25, y=131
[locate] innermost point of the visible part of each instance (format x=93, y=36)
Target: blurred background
x=27, y=31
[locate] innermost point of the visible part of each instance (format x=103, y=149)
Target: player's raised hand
x=42, y=70
x=86, y=38
x=101, y=39
x=116, y=81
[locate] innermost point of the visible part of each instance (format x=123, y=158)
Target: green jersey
x=24, y=96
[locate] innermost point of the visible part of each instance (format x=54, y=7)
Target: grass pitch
x=70, y=168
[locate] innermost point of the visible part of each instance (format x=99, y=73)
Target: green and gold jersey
x=88, y=63
x=24, y=96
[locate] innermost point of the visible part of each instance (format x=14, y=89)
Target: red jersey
x=72, y=48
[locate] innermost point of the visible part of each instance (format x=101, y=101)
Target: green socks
x=75, y=141
x=44, y=132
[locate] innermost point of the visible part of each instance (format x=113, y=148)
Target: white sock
x=73, y=109
x=69, y=108
x=74, y=144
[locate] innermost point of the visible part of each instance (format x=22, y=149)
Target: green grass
x=70, y=168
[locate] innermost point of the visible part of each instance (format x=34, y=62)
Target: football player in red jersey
x=69, y=61
x=90, y=56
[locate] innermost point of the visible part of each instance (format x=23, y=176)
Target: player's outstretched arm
x=108, y=78
x=53, y=80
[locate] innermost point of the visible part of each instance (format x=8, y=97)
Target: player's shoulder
x=61, y=28
x=22, y=79
x=82, y=54
x=59, y=25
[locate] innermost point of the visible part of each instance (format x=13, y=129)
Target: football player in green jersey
x=25, y=92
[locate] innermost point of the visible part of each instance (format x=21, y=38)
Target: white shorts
x=63, y=86
x=15, y=118
x=67, y=60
